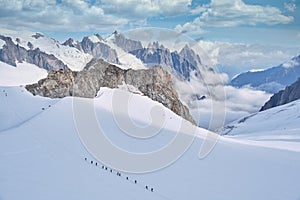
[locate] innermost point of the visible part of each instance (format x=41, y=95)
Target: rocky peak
x=99, y=49
x=124, y=43
x=153, y=45
x=189, y=54
x=156, y=83
x=69, y=42
x=99, y=37
x=37, y=35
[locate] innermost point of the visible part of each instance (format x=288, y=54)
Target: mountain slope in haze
x=289, y=94
x=270, y=80
x=43, y=158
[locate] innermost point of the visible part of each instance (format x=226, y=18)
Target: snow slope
x=278, y=121
x=43, y=158
x=18, y=106
x=72, y=57
x=23, y=74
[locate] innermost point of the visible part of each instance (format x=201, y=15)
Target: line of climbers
x=118, y=173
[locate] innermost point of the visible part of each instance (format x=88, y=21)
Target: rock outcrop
x=12, y=53
x=290, y=93
x=156, y=83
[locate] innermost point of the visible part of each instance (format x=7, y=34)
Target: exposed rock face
x=291, y=93
x=72, y=43
x=183, y=63
x=156, y=83
x=12, y=53
x=97, y=49
x=125, y=43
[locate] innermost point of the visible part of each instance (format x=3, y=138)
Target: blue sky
x=275, y=22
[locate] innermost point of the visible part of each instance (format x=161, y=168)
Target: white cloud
x=146, y=8
x=291, y=6
x=85, y=15
x=198, y=10
x=69, y=15
x=191, y=27
x=239, y=102
x=228, y=13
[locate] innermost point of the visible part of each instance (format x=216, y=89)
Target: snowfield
x=23, y=74
x=42, y=157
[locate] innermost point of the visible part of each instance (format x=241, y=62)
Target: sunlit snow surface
x=23, y=74
x=42, y=157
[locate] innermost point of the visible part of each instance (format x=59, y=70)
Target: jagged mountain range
x=270, y=80
x=183, y=63
x=36, y=48
x=12, y=53
x=49, y=54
